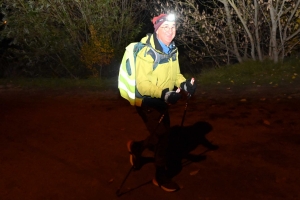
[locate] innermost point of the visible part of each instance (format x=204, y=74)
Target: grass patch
x=245, y=74
x=63, y=83
x=253, y=73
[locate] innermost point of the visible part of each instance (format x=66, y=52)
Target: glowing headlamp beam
x=170, y=17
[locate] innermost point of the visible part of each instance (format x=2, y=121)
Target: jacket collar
x=157, y=45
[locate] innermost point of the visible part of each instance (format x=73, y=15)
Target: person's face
x=166, y=32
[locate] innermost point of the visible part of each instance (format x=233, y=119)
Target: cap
x=159, y=20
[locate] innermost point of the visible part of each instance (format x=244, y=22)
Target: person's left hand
x=189, y=86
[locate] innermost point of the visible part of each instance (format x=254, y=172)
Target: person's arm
x=145, y=80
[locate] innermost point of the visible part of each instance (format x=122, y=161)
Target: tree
x=50, y=34
x=96, y=53
x=227, y=31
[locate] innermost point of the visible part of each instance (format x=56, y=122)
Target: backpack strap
x=158, y=57
x=148, y=40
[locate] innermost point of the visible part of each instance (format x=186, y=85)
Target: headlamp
x=169, y=18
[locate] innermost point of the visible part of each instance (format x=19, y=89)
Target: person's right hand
x=170, y=97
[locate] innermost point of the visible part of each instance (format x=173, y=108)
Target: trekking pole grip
x=192, y=82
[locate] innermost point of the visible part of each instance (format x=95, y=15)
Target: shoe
x=168, y=186
x=134, y=155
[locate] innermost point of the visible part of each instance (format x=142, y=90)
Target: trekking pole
x=185, y=108
x=132, y=167
x=160, y=120
x=119, y=189
x=186, y=104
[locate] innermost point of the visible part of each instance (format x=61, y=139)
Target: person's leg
x=150, y=117
x=151, y=112
x=158, y=131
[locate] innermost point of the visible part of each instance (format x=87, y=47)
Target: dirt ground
x=72, y=145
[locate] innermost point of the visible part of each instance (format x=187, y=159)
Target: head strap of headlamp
x=169, y=18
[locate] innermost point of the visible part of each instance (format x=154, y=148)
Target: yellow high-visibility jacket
x=151, y=82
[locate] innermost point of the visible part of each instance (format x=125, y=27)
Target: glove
x=170, y=96
x=188, y=86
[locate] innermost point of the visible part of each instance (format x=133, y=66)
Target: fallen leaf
x=262, y=99
x=243, y=100
x=266, y=122
x=111, y=180
x=194, y=172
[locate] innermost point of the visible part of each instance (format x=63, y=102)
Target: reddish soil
x=72, y=145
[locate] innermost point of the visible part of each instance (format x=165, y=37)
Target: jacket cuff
x=182, y=85
x=163, y=93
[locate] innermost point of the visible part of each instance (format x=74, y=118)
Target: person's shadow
x=183, y=140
